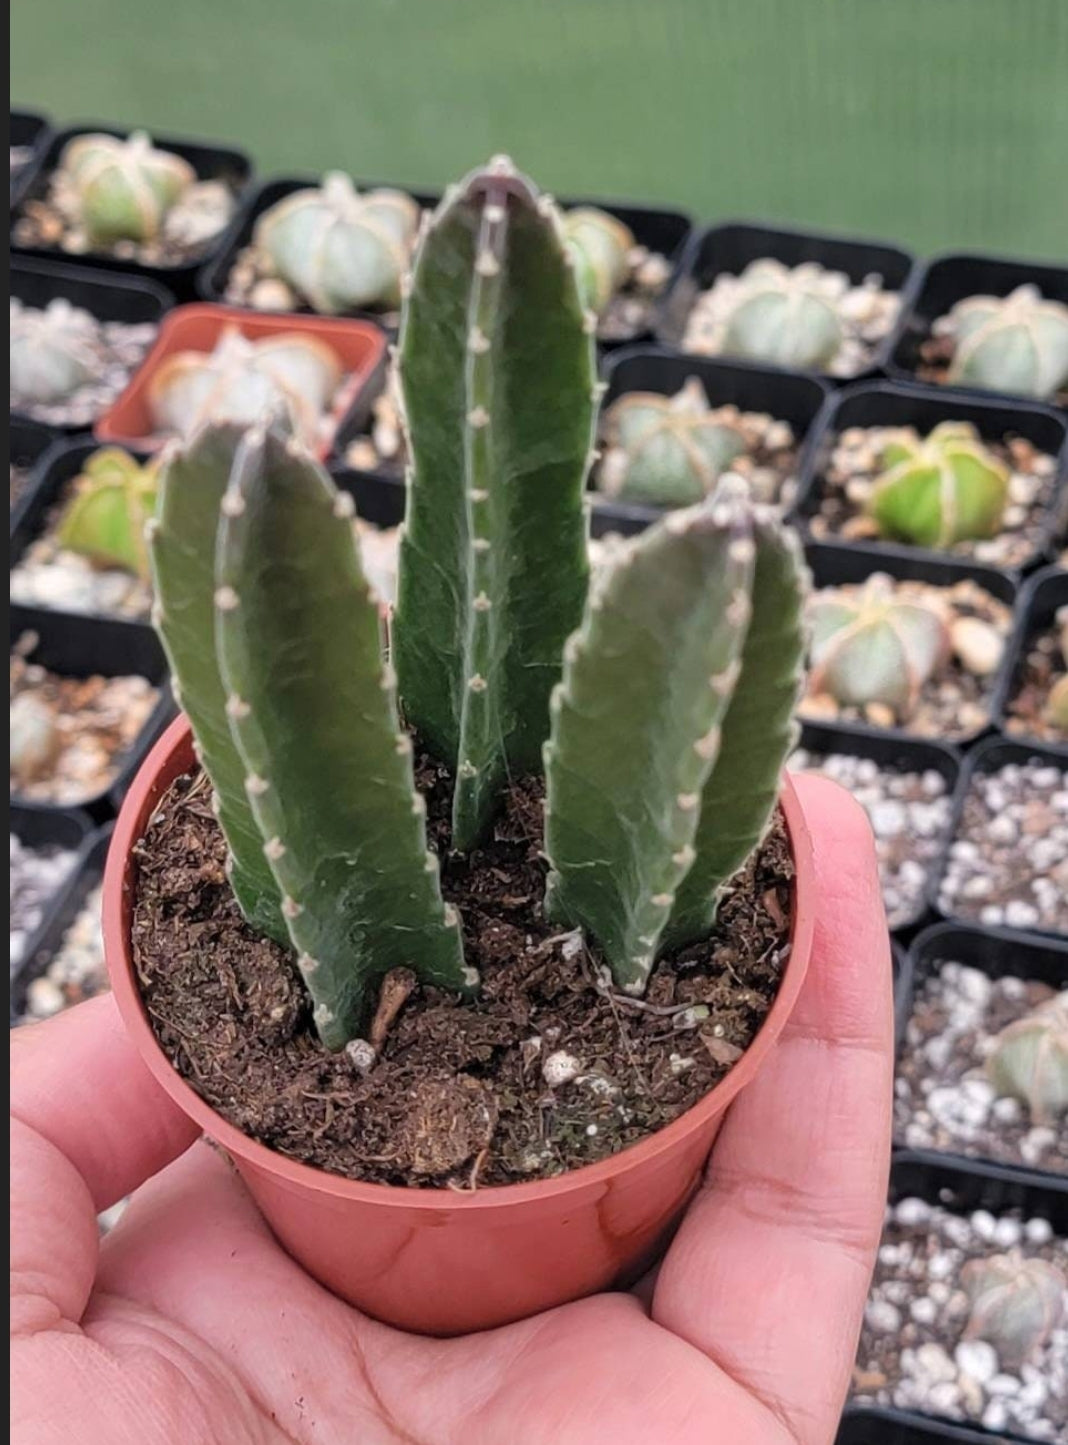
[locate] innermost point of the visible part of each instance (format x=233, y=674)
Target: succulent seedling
x=871, y=646
x=341, y=250
x=1016, y=1304
x=684, y=657
x=1030, y=1061
x=242, y=380
x=782, y=316
x=601, y=245
x=110, y=503
x=124, y=187
x=53, y=351
x=666, y=450
x=1014, y=343
x=940, y=489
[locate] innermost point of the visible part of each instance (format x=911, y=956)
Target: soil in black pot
x=76, y=971
x=548, y=1070
x=1030, y=711
x=35, y=876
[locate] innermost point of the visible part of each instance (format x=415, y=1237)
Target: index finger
x=770, y=1270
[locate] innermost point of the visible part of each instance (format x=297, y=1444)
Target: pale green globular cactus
x=870, y=646
x=1030, y=1061
x=1016, y=1304
x=940, y=489
x=242, y=380
x=666, y=451
x=341, y=250
x=691, y=636
x=124, y=187
x=601, y=246
x=53, y=352
x=782, y=316
x=1014, y=343
x=111, y=501
x=34, y=741
x=499, y=389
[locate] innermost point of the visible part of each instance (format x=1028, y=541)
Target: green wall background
x=934, y=122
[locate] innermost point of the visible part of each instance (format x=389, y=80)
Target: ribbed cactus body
x=313, y=712
x=941, y=489
x=638, y=729
x=192, y=482
x=1030, y=1061
x=498, y=381
x=782, y=316
x=52, y=351
x=124, y=186
x=1015, y=343
x=601, y=246
x=666, y=450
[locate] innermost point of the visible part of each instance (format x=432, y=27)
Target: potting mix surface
x=548, y=1070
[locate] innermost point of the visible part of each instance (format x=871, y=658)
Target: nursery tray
x=791, y=396
x=64, y=461
x=27, y=442
x=38, y=827
x=1044, y=594
x=902, y=753
x=47, y=938
x=997, y=952
x=733, y=245
x=833, y=564
x=874, y=1426
x=899, y=404
x=76, y=646
x=947, y=279
x=30, y=129
x=989, y=756
x=107, y=297
x=210, y=162
x=359, y=346
x=664, y=231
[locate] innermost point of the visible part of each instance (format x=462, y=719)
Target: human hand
x=188, y=1325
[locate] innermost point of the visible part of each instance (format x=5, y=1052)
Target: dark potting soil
x=457, y=1096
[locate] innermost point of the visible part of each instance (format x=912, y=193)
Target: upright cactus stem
x=181, y=537
x=498, y=380
x=314, y=715
x=638, y=726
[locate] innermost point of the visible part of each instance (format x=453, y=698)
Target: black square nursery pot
x=47, y=938
x=37, y=828
x=128, y=299
x=27, y=442
x=862, y=1426
x=30, y=131
x=440, y=1261
x=833, y=564
x=731, y=247
x=902, y=404
x=1041, y=599
x=211, y=162
x=795, y=397
x=953, y=277
x=74, y=646
x=996, y=952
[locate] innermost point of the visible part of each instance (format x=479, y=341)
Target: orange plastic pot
x=436, y=1261
x=358, y=345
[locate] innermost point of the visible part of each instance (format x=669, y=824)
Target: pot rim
x=175, y=746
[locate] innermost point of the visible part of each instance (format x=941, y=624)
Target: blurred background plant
x=933, y=122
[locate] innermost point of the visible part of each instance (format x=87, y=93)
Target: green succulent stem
x=329, y=770
x=498, y=382
x=192, y=482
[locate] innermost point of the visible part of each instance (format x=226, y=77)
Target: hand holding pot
x=189, y=1323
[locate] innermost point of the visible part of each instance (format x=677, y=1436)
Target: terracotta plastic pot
x=436, y=1261
x=358, y=345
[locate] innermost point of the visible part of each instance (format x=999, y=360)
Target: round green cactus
x=124, y=187
x=1016, y=343
x=667, y=451
x=34, y=739
x=53, y=352
x=1030, y=1061
x=1016, y=1304
x=242, y=380
x=600, y=245
x=105, y=517
x=871, y=647
x=781, y=316
x=339, y=249
x=941, y=489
